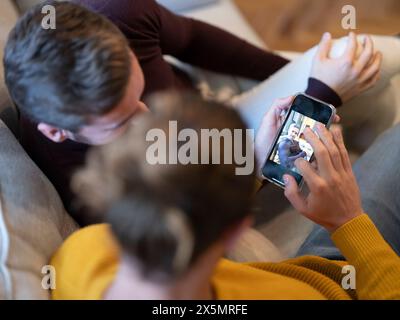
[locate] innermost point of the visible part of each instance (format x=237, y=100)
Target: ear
x=54, y=134
x=233, y=234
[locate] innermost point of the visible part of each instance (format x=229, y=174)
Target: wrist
x=335, y=225
x=322, y=91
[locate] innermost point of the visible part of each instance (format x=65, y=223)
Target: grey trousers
x=378, y=175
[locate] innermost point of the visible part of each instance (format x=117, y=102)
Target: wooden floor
x=299, y=24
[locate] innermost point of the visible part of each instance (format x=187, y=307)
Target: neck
x=195, y=284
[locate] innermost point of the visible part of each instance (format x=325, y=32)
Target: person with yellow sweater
x=168, y=226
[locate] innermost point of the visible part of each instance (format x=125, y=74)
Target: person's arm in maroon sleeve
x=211, y=48
x=321, y=91
x=153, y=31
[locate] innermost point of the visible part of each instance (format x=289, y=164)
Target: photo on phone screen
x=291, y=144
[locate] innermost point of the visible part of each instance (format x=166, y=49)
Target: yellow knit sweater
x=87, y=263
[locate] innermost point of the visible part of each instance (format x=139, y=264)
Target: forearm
x=377, y=265
x=217, y=50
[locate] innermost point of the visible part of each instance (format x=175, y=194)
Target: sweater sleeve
x=321, y=91
x=212, y=48
x=377, y=265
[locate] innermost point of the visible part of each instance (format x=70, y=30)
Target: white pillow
x=33, y=222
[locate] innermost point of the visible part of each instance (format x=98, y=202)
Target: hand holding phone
x=270, y=126
x=334, y=197
x=290, y=145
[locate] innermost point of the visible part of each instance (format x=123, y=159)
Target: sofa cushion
x=33, y=222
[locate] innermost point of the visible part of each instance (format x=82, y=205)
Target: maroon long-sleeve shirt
x=153, y=31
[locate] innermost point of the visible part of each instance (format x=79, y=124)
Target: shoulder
x=96, y=239
x=86, y=263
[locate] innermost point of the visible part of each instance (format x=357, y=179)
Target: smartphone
x=290, y=144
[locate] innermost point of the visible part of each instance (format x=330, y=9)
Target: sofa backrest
x=33, y=222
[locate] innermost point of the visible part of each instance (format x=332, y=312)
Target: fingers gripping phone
x=290, y=144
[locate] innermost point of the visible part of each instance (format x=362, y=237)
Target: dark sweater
x=153, y=31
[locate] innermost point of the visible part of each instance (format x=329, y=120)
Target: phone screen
x=290, y=144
